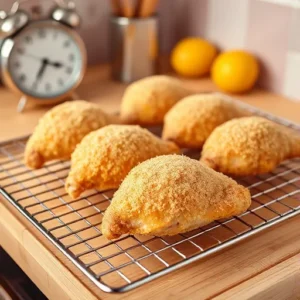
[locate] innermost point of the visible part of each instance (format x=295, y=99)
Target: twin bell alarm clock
x=43, y=60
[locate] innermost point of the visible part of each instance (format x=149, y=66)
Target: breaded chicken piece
x=189, y=122
x=61, y=129
x=172, y=194
x=146, y=101
x=249, y=146
x=104, y=157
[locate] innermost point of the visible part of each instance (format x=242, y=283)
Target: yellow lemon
x=193, y=57
x=235, y=71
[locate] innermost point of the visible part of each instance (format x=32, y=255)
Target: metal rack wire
x=73, y=226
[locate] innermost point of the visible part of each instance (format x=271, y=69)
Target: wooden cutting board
x=264, y=266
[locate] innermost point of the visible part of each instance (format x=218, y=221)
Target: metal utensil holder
x=134, y=47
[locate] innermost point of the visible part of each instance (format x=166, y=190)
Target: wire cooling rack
x=73, y=226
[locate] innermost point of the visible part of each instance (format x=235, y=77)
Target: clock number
x=71, y=57
x=69, y=70
x=34, y=86
x=48, y=87
x=28, y=39
x=60, y=82
x=20, y=50
x=42, y=33
x=22, y=77
x=67, y=44
x=17, y=65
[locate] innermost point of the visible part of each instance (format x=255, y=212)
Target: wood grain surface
x=278, y=282
x=265, y=266
x=98, y=87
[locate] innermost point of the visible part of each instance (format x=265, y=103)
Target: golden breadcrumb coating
x=104, y=157
x=61, y=129
x=172, y=194
x=146, y=101
x=249, y=146
x=189, y=122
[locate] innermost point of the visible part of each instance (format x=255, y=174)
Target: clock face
x=46, y=60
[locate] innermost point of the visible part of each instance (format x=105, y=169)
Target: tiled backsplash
x=271, y=31
x=95, y=26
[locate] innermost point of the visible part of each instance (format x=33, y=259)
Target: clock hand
x=45, y=63
x=55, y=64
x=40, y=73
x=42, y=69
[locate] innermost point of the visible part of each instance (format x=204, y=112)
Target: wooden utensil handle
x=147, y=8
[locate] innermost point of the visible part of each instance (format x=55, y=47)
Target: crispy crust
x=146, y=101
x=61, y=129
x=105, y=156
x=171, y=194
x=189, y=122
x=249, y=146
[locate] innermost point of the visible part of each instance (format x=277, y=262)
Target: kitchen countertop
x=265, y=266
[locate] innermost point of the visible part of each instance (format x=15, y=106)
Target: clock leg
x=21, y=104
